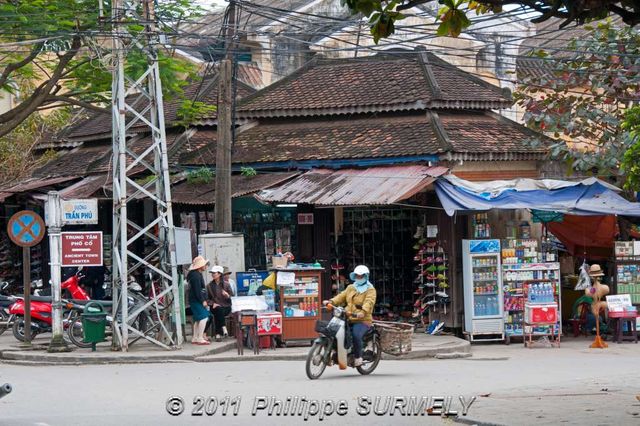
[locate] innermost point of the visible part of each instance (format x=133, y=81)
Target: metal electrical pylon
x=138, y=101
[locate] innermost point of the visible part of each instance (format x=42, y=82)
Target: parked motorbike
x=41, y=311
x=331, y=346
x=144, y=321
x=6, y=319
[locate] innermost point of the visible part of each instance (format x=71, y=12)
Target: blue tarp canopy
x=587, y=197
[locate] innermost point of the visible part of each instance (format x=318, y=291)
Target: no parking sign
x=25, y=228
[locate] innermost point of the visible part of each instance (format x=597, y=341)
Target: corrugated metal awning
x=199, y=194
x=372, y=186
x=86, y=188
x=31, y=184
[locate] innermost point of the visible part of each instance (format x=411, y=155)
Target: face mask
x=360, y=281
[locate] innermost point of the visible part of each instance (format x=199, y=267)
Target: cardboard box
x=279, y=261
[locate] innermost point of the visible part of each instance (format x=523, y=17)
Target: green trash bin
x=94, y=323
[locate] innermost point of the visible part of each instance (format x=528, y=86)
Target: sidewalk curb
x=32, y=358
x=462, y=349
x=223, y=353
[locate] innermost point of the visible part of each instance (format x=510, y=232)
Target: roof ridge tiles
x=432, y=82
x=440, y=132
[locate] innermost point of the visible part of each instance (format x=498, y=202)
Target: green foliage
x=55, y=52
x=16, y=148
x=190, y=112
x=453, y=18
x=202, y=175
x=145, y=180
x=584, y=102
x=631, y=160
x=248, y=171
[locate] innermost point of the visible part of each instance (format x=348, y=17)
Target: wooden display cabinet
x=300, y=304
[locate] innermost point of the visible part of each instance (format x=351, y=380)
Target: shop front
x=382, y=217
x=525, y=246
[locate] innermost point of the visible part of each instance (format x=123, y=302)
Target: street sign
x=82, y=248
x=80, y=212
x=26, y=228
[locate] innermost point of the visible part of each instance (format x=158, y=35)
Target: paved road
x=572, y=385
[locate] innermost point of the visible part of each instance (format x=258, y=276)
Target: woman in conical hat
x=198, y=300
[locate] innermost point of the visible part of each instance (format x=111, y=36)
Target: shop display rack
x=382, y=239
x=300, y=305
x=627, y=273
x=541, y=318
x=521, y=264
x=431, y=280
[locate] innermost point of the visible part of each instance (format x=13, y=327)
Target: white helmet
x=361, y=270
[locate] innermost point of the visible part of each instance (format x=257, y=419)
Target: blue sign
x=247, y=281
x=484, y=246
x=26, y=228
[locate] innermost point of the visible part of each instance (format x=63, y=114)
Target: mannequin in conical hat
x=597, y=292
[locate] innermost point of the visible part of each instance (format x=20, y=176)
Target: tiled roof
x=81, y=161
x=98, y=125
x=488, y=133
x=481, y=133
x=414, y=81
x=324, y=139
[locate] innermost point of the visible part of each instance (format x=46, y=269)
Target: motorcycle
x=331, y=346
x=6, y=319
x=41, y=312
x=144, y=321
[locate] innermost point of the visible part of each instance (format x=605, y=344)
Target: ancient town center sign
x=82, y=249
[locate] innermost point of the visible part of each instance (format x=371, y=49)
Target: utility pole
x=54, y=219
x=223, y=148
x=137, y=100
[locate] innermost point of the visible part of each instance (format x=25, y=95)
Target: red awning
x=592, y=236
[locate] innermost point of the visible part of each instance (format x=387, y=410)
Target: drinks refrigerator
x=483, y=298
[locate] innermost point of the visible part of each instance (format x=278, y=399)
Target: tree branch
x=35, y=51
x=78, y=102
x=13, y=118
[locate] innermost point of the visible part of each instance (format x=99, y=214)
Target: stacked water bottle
x=541, y=293
x=489, y=306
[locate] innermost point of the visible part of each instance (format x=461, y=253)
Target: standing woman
x=220, y=293
x=197, y=299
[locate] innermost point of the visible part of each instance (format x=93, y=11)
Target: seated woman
x=220, y=294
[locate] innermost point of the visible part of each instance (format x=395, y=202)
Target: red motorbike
x=41, y=312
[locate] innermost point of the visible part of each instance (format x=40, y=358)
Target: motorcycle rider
x=360, y=299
